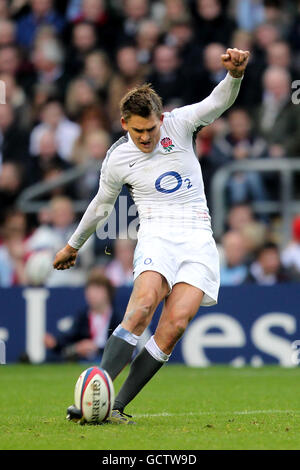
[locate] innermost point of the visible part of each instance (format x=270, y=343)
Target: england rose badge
x=167, y=144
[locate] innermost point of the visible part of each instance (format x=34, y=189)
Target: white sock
x=155, y=352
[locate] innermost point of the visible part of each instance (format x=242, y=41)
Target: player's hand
x=235, y=61
x=65, y=258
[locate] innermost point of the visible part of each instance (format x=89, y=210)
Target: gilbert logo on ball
x=167, y=144
x=94, y=394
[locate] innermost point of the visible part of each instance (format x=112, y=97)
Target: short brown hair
x=141, y=101
x=96, y=278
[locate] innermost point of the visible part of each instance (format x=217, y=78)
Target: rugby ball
x=94, y=395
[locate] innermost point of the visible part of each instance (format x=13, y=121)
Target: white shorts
x=194, y=261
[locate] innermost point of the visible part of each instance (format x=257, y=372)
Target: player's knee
x=147, y=302
x=141, y=316
x=174, y=333
x=180, y=327
x=179, y=324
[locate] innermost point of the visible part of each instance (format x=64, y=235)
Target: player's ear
x=124, y=124
x=161, y=118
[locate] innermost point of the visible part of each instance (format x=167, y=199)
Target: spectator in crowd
x=134, y=11
x=97, y=70
x=73, y=9
x=277, y=118
x=242, y=219
x=264, y=35
x=92, y=118
x=54, y=119
x=204, y=145
x=233, y=270
x=12, y=249
x=41, y=94
x=42, y=12
x=93, y=152
x=293, y=33
x=239, y=144
x=129, y=75
x=47, y=158
x=10, y=61
x=249, y=95
x=91, y=327
x=181, y=34
x=267, y=268
x=146, y=39
x=91, y=147
x=290, y=256
x=120, y=269
x=96, y=13
x=7, y=32
x=52, y=235
x=167, y=77
x=91, y=124
x=81, y=94
x=278, y=54
x=212, y=74
x=212, y=24
x=47, y=59
x=243, y=40
x=276, y=13
x=11, y=185
x=239, y=215
x=13, y=140
x=5, y=9
x=172, y=11
x=15, y=95
x=249, y=14
x=83, y=41
x=44, y=34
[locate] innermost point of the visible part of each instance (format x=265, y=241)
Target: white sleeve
x=99, y=208
x=206, y=111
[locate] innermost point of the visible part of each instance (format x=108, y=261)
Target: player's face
x=145, y=132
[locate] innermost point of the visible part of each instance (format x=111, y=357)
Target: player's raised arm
x=223, y=95
x=97, y=212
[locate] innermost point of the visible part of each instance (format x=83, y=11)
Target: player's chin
x=146, y=148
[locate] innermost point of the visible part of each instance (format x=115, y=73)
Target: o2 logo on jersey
x=177, y=181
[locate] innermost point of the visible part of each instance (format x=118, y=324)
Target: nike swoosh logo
x=131, y=164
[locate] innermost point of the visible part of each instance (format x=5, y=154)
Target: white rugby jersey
x=166, y=184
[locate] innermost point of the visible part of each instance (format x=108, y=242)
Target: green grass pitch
x=181, y=408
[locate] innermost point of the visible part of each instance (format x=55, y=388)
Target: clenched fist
x=65, y=258
x=235, y=61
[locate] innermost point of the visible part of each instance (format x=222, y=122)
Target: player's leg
x=149, y=289
x=179, y=309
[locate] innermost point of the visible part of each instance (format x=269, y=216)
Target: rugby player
x=175, y=259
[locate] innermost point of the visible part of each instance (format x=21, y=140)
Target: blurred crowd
x=66, y=64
